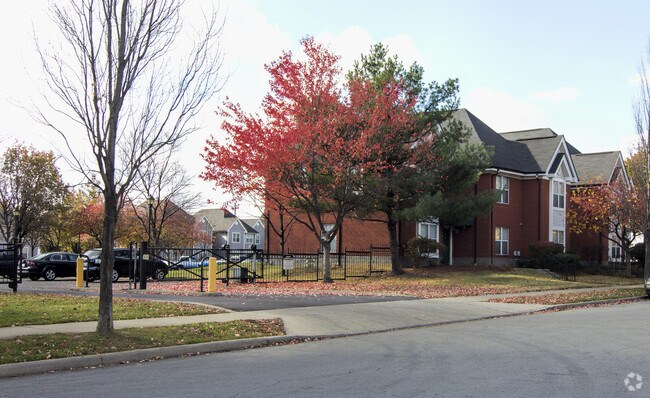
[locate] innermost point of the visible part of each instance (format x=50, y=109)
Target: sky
x=572, y=66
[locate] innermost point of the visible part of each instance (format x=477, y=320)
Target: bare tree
x=119, y=77
x=642, y=116
x=167, y=185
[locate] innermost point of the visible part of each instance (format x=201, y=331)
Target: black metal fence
x=252, y=265
x=10, y=256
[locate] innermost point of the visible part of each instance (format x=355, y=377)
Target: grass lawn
x=443, y=281
x=41, y=309
x=49, y=346
x=573, y=297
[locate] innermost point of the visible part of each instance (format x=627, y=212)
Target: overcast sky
x=571, y=66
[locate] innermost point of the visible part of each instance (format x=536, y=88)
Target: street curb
x=134, y=356
x=569, y=306
x=114, y=358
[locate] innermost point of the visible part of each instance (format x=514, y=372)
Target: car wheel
x=34, y=277
x=49, y=274
x=116, y=276
x=159, y=274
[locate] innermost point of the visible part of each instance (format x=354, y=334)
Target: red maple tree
x=614, y=211
x=315, y=150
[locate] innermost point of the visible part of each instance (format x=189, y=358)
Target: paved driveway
x=236, y=302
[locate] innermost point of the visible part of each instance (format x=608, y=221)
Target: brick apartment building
x=533, y=170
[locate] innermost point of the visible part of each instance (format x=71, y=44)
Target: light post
x=17, y=253
x=150, y=202
x=16, y=228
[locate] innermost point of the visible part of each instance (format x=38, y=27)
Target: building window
x=615, y=252
x=257, y=239
x=501, y=237
x=236, y=237
x=558, y=236
x=428, y=230
x=249, y=239
x=558, y=194
x=503, y=187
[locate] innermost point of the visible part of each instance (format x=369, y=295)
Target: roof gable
x=219, y=219
x=600, y=168
x=506, y=154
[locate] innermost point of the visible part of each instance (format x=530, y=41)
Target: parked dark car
x=7, y=269
x=50, y=266
x=155, y=269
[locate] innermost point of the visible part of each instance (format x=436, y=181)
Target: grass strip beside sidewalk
x=44, y=309
x=61, y=345
x=573, y=297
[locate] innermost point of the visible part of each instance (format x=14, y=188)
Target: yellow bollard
x=80, y=272
x=212, y=275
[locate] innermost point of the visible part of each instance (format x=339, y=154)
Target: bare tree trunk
x=105, y=318
x=327, y=265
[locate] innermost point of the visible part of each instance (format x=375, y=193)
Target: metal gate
x=242, y=265
x=10, y=265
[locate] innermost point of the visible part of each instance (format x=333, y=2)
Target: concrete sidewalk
x=300, y=323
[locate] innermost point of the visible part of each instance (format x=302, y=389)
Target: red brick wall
x=354, y=235
x=521, y=216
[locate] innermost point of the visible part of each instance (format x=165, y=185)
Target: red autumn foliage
x=319, y=143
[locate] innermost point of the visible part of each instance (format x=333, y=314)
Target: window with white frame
x=615, y=251
x=558, y=236
x=257, y=239
x=428, y=230
x=503, y=187
x=501, y=238
x=249, y=239
x=558, y=194
x=236, y=237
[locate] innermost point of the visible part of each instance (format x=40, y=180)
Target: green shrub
x=637, y=253
x=542, y=253
x=421, y=251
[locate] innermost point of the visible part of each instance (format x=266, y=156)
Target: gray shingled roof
x=595, y=168
x=220, y=219
x=542, y=149
x=248, y=225
x=250, y=221
x=507, y=154
x=536, y=134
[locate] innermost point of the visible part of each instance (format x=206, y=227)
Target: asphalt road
x=232, y=302
x=579, y=353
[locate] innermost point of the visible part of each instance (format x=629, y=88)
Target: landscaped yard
x=423, y=283
x=42, y=309
x=59, y=345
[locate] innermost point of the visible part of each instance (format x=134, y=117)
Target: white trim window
x=257, y=239
x=615, y=251
x=501, y=239
x=558, y=194
x=249, y=238
x=428, y=230
x=558, y=236
x=236, y=237
x=503, y=187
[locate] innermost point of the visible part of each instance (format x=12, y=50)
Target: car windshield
x=40, y=256
x=93, y=253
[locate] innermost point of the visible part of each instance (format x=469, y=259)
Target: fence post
x=144, y=250
x=212, y=275
x=227, y=249
x=17, y=257
x=80, y=273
